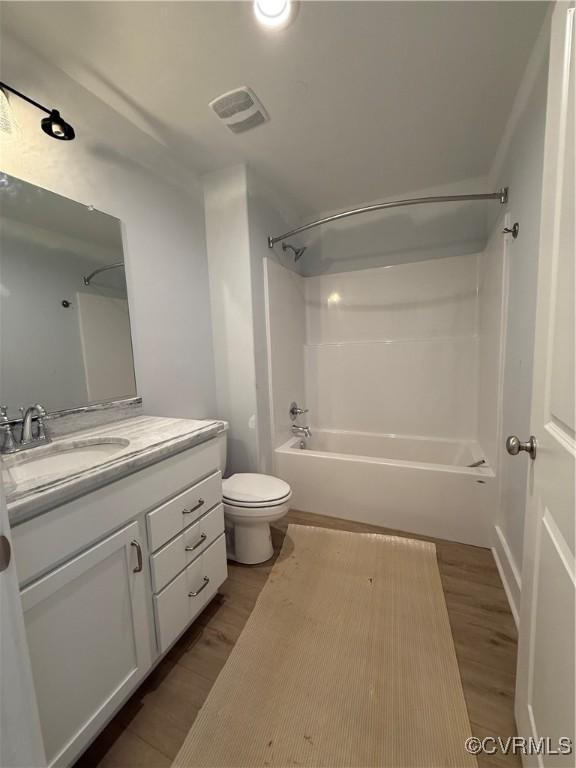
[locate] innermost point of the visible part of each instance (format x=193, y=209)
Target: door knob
x=514, y=445
x=5, y=553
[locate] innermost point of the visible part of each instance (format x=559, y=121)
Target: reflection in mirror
x=64, y=323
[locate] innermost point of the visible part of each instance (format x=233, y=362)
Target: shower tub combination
x=415, y=484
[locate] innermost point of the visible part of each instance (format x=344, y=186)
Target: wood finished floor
x=149, y=729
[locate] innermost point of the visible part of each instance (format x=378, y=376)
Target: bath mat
x=346, y=660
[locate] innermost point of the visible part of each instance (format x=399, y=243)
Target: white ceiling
x=367, y=99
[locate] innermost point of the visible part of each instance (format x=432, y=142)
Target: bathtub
x=415, y=484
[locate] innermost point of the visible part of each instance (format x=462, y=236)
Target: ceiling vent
x=240, y=110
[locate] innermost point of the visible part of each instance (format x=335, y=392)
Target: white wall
x=393, y=349
x=228, y=242
x=519, y=165
x=121, y=171
x=241, y=211
x=286, y=313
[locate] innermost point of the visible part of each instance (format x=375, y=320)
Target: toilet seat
x=249, y=490
x=261, y=505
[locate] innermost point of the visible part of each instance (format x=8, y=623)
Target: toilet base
x=250, y=543
x=248, y=537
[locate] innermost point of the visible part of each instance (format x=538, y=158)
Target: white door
x=546, y=662
x=20, y=737
x=89, y=639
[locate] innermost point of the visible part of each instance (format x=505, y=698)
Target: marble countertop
x=141, y=440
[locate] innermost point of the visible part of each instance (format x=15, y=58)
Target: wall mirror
x=64, y=322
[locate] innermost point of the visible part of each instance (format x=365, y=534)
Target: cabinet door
x=88, y=634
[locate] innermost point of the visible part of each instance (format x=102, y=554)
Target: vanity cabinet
x=88, y=637
x=108, y=583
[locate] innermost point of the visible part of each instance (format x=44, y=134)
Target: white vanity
x=116, y=554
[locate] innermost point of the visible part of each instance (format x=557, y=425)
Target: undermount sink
x=62, y=458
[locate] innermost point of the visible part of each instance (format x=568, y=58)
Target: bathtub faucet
x=301, y=431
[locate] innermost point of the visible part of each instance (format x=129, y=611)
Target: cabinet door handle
x=194, y=508
x=204, y=585
x=200, y=541
x=138, y=568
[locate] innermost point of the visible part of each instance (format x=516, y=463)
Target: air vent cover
x=240, y=109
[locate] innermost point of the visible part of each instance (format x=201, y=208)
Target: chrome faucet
x=27, y=437
x=301, y=431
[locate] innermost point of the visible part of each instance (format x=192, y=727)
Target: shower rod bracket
x=514, y=230
x=501, y=195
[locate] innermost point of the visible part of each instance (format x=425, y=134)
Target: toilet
x=251, y=502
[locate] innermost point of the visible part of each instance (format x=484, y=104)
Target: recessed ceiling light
x=273, y=13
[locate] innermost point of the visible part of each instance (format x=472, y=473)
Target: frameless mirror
x=64, y=323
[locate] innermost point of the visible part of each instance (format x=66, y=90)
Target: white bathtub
x=416, y=484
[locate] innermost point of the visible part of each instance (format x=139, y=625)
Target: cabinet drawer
x=183, y=599
x=172, y=517
x=175, y=556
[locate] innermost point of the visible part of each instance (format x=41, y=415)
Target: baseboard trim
x=508, y=571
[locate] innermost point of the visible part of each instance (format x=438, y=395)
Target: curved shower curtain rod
x=88, y=278
x=501, y=196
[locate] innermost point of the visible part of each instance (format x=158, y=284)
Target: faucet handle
x=43, y=433
x=294, y=411
x=7, y=442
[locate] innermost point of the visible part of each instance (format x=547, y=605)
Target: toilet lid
x=249, y=488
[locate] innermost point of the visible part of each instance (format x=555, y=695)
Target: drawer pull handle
x=199, y=543
x=204, y=585
x=201, y=503
x=138, y=568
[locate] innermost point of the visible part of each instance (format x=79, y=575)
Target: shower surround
x=389, y=361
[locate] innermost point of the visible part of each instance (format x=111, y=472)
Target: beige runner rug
x=346, y=660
